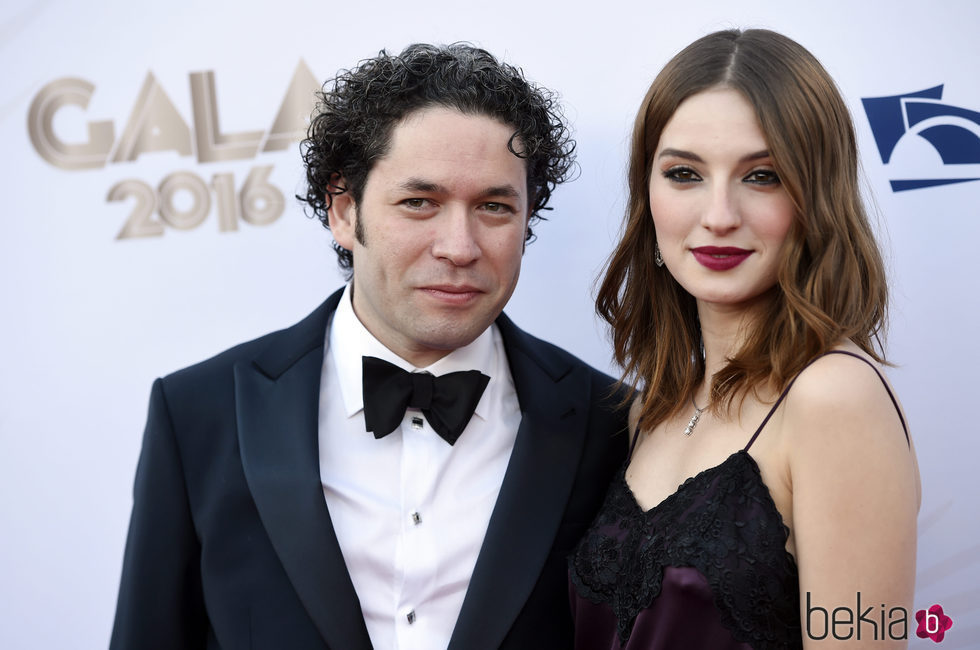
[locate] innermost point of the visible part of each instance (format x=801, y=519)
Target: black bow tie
x=447, y=401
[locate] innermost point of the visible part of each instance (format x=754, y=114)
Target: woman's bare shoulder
x=842, y=413
x=843, y=386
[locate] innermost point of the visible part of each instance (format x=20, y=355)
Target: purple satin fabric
x=683, y=616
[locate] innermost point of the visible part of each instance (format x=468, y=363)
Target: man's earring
x=658, y=259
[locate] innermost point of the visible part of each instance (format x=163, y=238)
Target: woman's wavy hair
x=358, y=110
x=831, y=280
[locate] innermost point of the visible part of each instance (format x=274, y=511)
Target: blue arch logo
x=953, y=132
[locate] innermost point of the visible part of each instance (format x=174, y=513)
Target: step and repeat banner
x=150, y=166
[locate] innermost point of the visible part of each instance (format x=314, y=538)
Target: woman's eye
x=681, y=175
x=763, y=177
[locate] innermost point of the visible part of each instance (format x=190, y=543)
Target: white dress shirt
x=410, y=510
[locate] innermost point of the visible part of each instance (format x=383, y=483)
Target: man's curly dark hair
x=358, y=110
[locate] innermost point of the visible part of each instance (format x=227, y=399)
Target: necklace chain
x=694, y=418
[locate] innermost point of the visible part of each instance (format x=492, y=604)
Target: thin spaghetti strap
x=775, y=406
x=636, y=436
x=888, y=390
x=790, y=384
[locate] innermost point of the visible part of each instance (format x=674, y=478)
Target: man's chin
x=447, y=337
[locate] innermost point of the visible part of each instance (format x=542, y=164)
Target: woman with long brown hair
x=746, y=298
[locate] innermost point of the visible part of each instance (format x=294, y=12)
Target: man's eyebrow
x=690, y=155
x=503, y=191
x=420, y=185
x=415, y=184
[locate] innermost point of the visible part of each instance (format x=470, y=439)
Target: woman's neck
x=724, y=329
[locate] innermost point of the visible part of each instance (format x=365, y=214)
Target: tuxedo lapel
x=534, y=493
x=277, y=406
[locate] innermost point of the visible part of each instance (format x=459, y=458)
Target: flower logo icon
x=933, y=623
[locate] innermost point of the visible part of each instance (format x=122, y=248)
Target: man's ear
x=342, y=214
x=527, y=231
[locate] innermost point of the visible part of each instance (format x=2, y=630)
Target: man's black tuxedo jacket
x=231, y=545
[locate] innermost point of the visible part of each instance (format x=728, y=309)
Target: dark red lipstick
x=720, y=258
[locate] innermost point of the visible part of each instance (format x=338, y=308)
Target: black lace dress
x=705, y=568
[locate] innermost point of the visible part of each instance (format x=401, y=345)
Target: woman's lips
x=720, y=258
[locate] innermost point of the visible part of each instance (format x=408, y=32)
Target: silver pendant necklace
x=694, y=418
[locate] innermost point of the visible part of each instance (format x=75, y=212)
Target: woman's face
x=720, y=211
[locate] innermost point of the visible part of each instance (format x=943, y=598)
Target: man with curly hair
x=404, y=468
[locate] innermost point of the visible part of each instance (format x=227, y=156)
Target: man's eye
x=496, y=208
x=681, y=175
x=415, y=204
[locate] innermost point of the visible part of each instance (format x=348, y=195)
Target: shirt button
x=411, y=617
x=417, y=423
x=416, y=518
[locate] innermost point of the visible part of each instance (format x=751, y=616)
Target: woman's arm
x=855, y=499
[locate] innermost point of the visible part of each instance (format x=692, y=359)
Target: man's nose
x=456, y=239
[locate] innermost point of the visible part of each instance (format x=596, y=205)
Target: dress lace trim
x=724, y=523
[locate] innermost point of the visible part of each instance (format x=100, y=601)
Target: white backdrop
x=90, y=319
